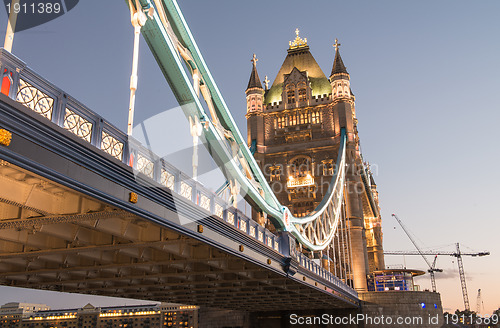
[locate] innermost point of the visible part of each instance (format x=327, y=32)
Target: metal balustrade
x=28, y=88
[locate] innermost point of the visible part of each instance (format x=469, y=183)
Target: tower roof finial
x=254, y=60
x=298, y=42
x=336, y=45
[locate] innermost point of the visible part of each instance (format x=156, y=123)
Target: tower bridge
x=86, y=208
x=77, y=218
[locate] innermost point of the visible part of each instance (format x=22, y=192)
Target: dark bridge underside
x=105, y=251
x=64, y=236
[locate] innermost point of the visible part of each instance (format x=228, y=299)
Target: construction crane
x=461, y=271
x=458, y=254
x=432, y=267
x=479, y=302
x=431, y=271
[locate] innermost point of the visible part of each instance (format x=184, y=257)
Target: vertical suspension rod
x=11, y=26
x=138, y=19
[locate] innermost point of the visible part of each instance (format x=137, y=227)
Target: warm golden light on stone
x=5, y=137
x=300, y=182
x=133, y=197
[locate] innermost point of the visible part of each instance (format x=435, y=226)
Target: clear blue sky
x=426, y=79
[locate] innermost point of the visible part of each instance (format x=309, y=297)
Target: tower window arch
x=315, y=117
x=300, y=177
x=280, y=122
x=290, y=93
x=302, y=94
x=302, y=91
x=300, y=167
x=275, y=173
x=290, y=96
x=328, y=167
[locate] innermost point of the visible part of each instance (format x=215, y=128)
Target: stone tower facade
x=294, y=131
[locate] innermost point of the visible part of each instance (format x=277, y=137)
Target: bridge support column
x=378, y=250
x=355, y=221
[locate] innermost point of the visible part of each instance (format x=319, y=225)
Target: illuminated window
x=306, y=118
x=302, y=94
x=281, y=122
x=290, y=95
x=275, y=173
x=293, y=119
x=315, y=117
x=328, y=167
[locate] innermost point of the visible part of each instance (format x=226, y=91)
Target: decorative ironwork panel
x=205, y=202
x=261, y=237
x=219, y=211
x=145, y=166
x=186, y=190
x=269, y=242
x=276, y=246
x=167, y=179
x=35, y=99
x=243, y=225
x=111, y=145
x=77, y=125
x=230, y=218
x=252, y=231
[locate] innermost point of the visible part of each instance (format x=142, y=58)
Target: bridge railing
x=28, y=88
x=23, y=85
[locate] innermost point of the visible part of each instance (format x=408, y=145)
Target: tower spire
x=339, y=78
x=254, y=81
x=338, y=64
x=254, y=90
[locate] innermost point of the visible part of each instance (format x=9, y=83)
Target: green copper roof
x=304, y=61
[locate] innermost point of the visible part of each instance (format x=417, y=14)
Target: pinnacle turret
x=339, y=79
x=254, y=90
x=254, y=81
x=338, y=64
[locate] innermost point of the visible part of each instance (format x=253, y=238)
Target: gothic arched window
x=300, y=167
x=302, y=92
x=290, y=96
x=315, y=117
x=275, y=173
x=328, y=167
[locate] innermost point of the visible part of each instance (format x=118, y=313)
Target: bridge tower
x=255, y=93
x=296, y=138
